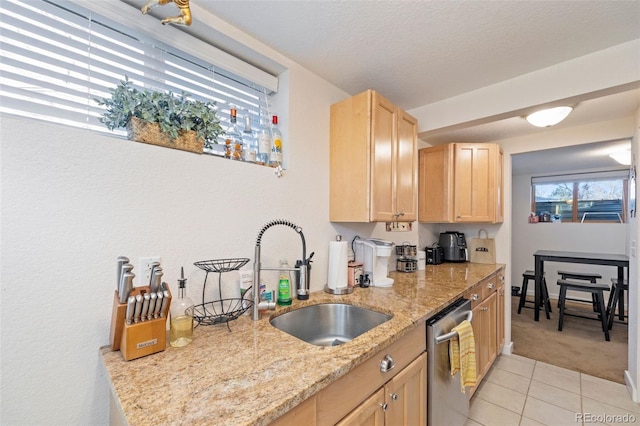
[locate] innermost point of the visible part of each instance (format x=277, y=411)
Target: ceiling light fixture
x=549, y=117
x=622, y=157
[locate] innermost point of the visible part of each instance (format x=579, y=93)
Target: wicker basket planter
x=143, y=131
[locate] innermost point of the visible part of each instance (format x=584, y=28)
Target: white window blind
x=57, y=56
x=581, y=177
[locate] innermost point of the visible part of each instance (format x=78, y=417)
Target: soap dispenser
x=181, y=324
x=284, y=284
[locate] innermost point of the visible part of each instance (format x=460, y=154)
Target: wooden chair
x=617, y=294
x=582, y=276
x=544, y=292
x=597, y=294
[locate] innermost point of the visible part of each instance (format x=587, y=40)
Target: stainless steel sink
x=329, y=324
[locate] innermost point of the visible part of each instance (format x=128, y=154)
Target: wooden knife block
x=139, y=339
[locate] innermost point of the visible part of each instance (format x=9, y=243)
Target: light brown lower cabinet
x=359, y=397
x=402, y=401
x=487, y=303
x=485, y=318
x=302, y=414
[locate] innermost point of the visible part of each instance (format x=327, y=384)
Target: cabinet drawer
x=342, y=396
x=488, y=286
x=474, y=294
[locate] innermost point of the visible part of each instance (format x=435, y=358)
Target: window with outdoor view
x=583, y=198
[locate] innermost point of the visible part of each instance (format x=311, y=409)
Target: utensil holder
x=137, y=339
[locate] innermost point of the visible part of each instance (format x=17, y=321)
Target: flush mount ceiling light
x=622, y=157
x=549, y=117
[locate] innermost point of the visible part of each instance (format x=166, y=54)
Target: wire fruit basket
x=223, y=310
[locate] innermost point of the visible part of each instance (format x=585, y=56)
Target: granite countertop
x=254, y=373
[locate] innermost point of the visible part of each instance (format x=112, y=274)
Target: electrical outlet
x=398, y=226
x=145, y=268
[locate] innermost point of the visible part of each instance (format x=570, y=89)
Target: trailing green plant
x=172, y=112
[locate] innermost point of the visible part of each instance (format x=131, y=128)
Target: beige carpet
x=580, y=346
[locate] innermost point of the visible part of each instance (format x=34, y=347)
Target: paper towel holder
x=338, y=290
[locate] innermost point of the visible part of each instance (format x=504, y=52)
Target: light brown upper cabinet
x=461, y=182
x=373, y=161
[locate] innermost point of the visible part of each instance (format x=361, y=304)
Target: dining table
x=620, y=261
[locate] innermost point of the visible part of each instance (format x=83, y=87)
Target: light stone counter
x=255, y=373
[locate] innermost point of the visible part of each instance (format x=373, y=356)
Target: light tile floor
x=522, y=391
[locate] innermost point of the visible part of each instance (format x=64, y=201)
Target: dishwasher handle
x=446, y=337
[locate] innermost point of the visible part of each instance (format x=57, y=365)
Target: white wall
x=72, y=201
x=632, y=377
x=528, y=238
x=595, y=132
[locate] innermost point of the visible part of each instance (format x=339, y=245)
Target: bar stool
x=544, y=292
x=597, y=292
x=616, y=295
x=586, y=276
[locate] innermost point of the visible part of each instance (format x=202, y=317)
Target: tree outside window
x=582, y=201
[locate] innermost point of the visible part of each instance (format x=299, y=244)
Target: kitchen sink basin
x=329, y=324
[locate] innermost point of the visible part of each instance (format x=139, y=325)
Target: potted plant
x=161, y=118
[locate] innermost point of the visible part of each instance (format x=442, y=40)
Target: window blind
x=57, y=57
x=581, y=177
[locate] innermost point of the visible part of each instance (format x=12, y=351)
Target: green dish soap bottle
x=284, y=284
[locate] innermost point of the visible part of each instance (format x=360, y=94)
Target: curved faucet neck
x=302, y=267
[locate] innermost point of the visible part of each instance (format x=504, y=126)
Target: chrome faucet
x=301, y=270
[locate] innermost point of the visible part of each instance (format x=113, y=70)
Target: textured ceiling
x=420, y=52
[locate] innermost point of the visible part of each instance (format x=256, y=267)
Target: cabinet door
x=369, y=413
x=476, y=324
x=383, y=157
x=349, y=159
x=500, y=318
x=489, y=334
x=500, y=187
x=406, y=395
x=435, y=196
x=500, y=307
x=474, y=182
x=406, y=169
x=303, y=414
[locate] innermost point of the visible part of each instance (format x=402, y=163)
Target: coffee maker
x=454, y=246
x=374, y=254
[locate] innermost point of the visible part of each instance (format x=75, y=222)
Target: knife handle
x=152, y=305
x=165, y=302
x=121, y=260
x=154, y=266
x=146, y=299
x=131, y=306
x=159, y=302
x=136, y=314
x=126, y=285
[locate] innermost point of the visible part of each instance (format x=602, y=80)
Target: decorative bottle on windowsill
x=264, y=140
x=232, y=140
x=249, y=145
x=276, y=144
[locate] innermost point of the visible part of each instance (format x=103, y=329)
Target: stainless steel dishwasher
x=446, y=404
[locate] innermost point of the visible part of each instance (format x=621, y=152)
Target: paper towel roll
x=338, y=259
x=422, y=260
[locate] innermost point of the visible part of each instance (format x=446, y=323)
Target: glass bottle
x=249, y=143
x=233, y=141
x=284, y=284
x=181, y=324
x=276, y=144
x=264, y=141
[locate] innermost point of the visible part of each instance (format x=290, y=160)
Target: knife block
x=137, y=339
